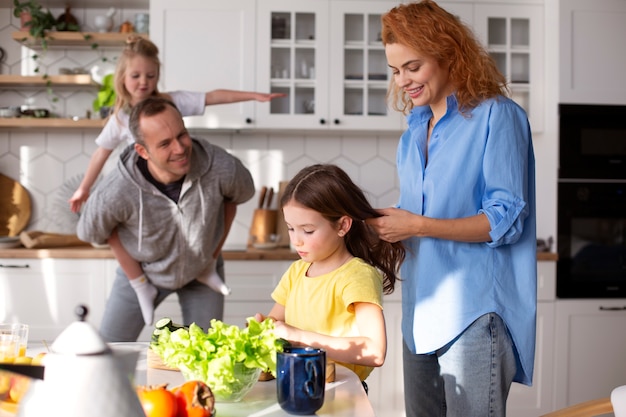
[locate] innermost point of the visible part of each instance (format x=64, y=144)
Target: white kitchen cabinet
x=513, y=35
x=43, y=293
x=537, y=399
x=205, y=46
x=328, y=58
x=590, y=340
x=591, y=54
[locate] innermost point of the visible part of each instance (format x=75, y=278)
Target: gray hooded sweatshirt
x=174, y=242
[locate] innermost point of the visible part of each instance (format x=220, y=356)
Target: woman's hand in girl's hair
x=394, y=224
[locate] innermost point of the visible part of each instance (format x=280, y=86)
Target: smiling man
x=166, y=211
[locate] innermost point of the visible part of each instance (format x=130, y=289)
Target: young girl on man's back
x=136, y=78
x=332, y=297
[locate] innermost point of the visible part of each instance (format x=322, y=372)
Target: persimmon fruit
x=195, y=399
x=157, y=401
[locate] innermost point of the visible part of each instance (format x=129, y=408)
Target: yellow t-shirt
x=324, y=304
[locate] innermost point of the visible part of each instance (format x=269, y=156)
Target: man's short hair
x=148, y=107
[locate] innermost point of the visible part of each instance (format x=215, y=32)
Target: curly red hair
x=431, y=31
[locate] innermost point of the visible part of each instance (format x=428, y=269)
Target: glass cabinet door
x=514, y=38
x=328, y=58
x=359, y=72
x=292, y=48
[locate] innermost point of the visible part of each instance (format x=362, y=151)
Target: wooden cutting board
x=15, y=207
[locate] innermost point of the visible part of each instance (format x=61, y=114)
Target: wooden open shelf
x=50, y=122
x=40, y=81
x=74, y=39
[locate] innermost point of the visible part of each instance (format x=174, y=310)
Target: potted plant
x=106, y=96
x=36, y=20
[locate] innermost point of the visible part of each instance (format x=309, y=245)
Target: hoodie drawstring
x=202, y=203
x=140, y=231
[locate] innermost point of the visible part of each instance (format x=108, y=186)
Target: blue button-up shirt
x=480, y=163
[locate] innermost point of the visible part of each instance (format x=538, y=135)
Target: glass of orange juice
x=16, y=334
x=9, y=347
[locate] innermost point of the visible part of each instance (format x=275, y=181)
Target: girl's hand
x=263, y=97
x=78, y=199
x=284, y=331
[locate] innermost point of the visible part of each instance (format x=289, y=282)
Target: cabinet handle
x=336, y=121
x=248, y=120
x=602, y=308
x=15, y=266
x=322, y=121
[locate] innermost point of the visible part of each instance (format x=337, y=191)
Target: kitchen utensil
x=31, y=371
x=8, y=242
x=10, y=111
x=36, y=113
x=15, y=207
x=104, y=23
x=263, y=227
x=270, y=196
x=34, y=239
x=262, y=196
x=80, y=359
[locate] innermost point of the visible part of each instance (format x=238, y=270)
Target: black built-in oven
x=591, y=222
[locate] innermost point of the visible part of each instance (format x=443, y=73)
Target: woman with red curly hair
x=466, y=214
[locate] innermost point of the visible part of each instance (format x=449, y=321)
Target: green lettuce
x=217, y=355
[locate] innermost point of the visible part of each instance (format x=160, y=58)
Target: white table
x=343, y=398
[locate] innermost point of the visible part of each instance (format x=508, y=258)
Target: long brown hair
x=432, y=31
x=135, y=46
x=328, y=190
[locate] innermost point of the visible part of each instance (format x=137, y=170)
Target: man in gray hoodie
x=165, y=210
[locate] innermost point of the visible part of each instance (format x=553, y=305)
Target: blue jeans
x=469, y=377
x=123, y=321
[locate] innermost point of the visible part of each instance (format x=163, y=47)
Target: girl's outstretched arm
x=96, y=163
x=369, y=348
x=235, y=96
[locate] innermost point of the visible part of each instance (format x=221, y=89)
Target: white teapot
x=82, y=377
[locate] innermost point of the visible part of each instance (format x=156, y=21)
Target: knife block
x=263, y=226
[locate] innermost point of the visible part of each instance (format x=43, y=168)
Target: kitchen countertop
x=345, y=397
x=88, y=252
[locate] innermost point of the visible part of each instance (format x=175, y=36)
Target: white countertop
x=343, y=398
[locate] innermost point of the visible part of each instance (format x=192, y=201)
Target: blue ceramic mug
x=300, y=379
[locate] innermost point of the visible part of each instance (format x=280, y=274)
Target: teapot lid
x=80, y=338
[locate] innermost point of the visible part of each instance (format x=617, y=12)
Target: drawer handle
x=15, y=266
x=602, y=308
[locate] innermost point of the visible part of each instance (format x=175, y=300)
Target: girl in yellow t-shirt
x=332, y=297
